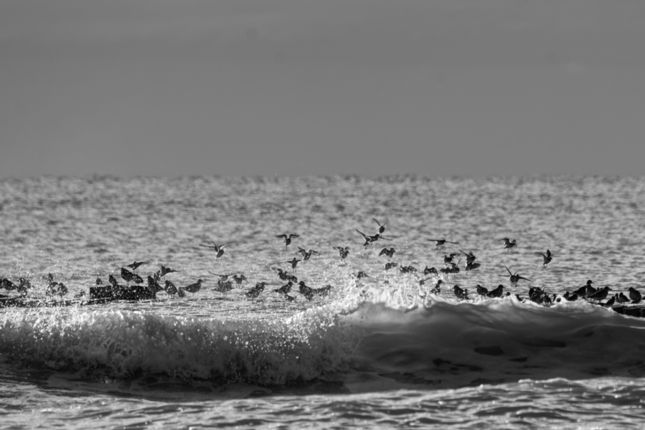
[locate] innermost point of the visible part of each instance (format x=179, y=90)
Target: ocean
x=356, y=345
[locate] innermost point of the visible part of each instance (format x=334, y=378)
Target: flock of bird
x=136, y=288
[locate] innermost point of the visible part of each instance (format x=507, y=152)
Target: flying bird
x=218, y=248
x=546, y=257
x=287, y=237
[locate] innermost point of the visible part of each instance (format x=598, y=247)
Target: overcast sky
x=299, y=87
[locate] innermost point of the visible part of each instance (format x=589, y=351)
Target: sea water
x=377, y=351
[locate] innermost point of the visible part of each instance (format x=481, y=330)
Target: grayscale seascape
x=380, y=350
x=295, y=214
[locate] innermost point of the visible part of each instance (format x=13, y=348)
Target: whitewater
x=376, y=351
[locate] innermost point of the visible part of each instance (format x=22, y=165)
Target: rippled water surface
x=376, y=351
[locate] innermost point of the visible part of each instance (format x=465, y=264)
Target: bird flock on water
x=136, y=288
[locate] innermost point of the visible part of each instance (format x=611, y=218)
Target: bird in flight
x=514, y=277
x=287, y=237
x=306, y=255
x=441, y=242
x=218, y=248
x=136, y=264
x=546, y=257
x=509, y=243
x=381, y=227
x=343, y=251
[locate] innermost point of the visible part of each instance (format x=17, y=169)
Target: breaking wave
x=368, y=347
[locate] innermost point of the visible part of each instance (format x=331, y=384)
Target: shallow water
x=378, y=351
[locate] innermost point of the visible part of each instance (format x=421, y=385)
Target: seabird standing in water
x=193, y=288
x=170, y=288
x=496, y=292
x=255, y=291
x=635, y=295
x=460, y=293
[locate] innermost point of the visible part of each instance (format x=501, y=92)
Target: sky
x=322, y=87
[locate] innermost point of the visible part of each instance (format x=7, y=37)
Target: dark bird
x=437, y=287
x=407, y=269
x=570, y=296
x=23, y=286
x=135, y=265
x=170, y=288
x=294, y=262
x=381, y=227
x=153, y=284
x=635, y=295
x=113, y=281
x=310, y=293
x=388, y=252
x=514, y=277
x=255, y=291
x=98, y=281
x=621, y=298
x=586, y=290
x=509, y=243
x=600, y=294
x=460, y=293
x=305, y=290
x=218, y=248
x=239, y=278
x=539, y=296
x=391, y=264
x=369, y=239
x=165, y=270
x=452, y=269
x=361, y=275
x=450, y=257
x=482, y=291
x=287, y=237
x=126, y=274
x=285, y=289
x=223, y=284
x=286, y=276
x=306, y=255
x=546, y=257
x=430, y=270
x=472, y=265
x=470, y=257
x=136, y=278
x=343, y=251
x=441, y=242
x=7, y=284
x=193, y=288
x=55, y=288
x=496, y=292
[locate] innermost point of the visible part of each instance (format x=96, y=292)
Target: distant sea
x=374, y=351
